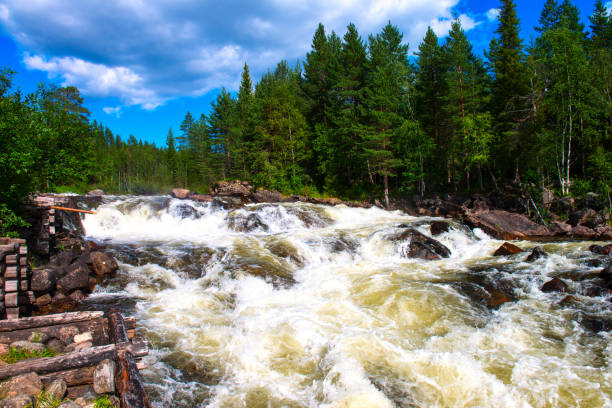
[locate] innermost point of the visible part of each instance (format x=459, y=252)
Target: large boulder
x=20, y=401
x=439, y=227
x=554, y=285
x=57, y=389
x=180, y=193
x=102, y=263
x=96, y=193
x=43, y=279
x=536, y=253
x=77, y=277
x=234, y=188
x=421, y=246
x=505, y=225
x=25, y=384
x=267, y=196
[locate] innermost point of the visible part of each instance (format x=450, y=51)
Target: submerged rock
x=103, y=264
x=507, y=249
x=439, y=227
x=554, y=285
x=240, y=223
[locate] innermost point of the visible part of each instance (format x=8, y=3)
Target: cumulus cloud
x=146, y=53
x=492, y=14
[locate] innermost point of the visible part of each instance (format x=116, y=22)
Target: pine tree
x=171, y=156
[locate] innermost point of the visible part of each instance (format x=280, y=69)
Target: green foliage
x=10, y=222
x=103, y=402
x=17, y=354
x=44, y=400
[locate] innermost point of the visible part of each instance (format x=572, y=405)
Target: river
x=300, y=305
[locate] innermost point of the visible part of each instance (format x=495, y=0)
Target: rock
x=67, y=333
x=4, y=348
x=55, y=345
x=38, y=337
x=96, y=193
x=234, y=188
x=581, y=217
x=568, y=301
x=60, y=304
x=606, y=250
x=20, y=401
x=43, y=300
x=564, y=205
x=505, y=225
x=93, y=246
x=43, y=280
x=507, y=249
x=583, y=232
x=560, y=228
x=554, y=285
x=57, y=389
x=83, y=337
x=103, y=264
x=267, y=196
x=536, y=253
x=593, y=200
x=239, y=223
x=202, y=198
x=91, y=285
x=104, y=377
x=65, y=258
x=29, y=346
x=596, y=249
x=421, y=246
x=76, y=278
x=180, y=193
x=78, y=346
x=77, y=296
x=22, y=385
x=439, y=227
x=498, y=298
x=69, y=404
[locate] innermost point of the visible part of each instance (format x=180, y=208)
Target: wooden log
x=139, y=346
x=54, y=319
x=55, y=207
x=23, y=285
x=98, y=328
x=12, y=313
x=23, y=250
x=130, y=322
x=43, y=365
x=11, y=299
x=51, y=219
x=8, y=248
x=11, y=285
x=117, y=330
x=51, y=230
x=12, y=259
x=23, y=273
x=131, y=333
x=11, y=272
x=73, y=377
x=129, y=382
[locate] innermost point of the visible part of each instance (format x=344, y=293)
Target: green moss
x=17, y=354
x=44, y=400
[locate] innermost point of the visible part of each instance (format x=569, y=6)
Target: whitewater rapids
x=300, y=305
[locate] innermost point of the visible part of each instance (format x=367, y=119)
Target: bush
x=10, y=222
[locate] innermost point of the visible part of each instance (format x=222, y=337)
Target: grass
x=18, y=354
x=103, y=402
x=44, y=400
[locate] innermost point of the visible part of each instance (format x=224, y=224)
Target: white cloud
x=608, y=6
x=97, y=79
x=112, y=110
x=147, y=52
x=492, y=14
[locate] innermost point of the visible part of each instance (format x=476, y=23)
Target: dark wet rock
x=505, y=225
x=536, y=253
x=284, y=249
x=606, y=250
x=234, y=188
x=43, y=279
x=563, y=205
x=77, y=296
x=341, y=243
x=593, y=290
x=596, y=249
x=439, y=227
x=569, y=300
x=43, y=300
x=64, y=258
x=420, y=246
x=507, y=249
x=310, y=217
x=103, y=264
x=184, y=211
x=606, y=276
x=180, y=193
x=596, y=324
x=554, y=285
x=77, y=277
x=240, y=223
x=593, y=200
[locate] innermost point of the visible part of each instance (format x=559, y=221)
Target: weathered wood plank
x=97, y=327
x=12, y=259
x=11, y=299
x=76, y=376
x=12, y=313
x=11, y=272
x=54, y=319
x=129, y=382
x=118, y=331
x=44, y=365
x=139, y=346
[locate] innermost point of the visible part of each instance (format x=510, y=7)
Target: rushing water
x=299, y=305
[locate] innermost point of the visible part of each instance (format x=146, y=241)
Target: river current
x=301, y=305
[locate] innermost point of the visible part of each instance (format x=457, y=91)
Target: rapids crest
x=301, y=305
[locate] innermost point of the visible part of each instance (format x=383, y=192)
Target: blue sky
x=141, y=65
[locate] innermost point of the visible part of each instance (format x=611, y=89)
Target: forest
x=359, y=118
